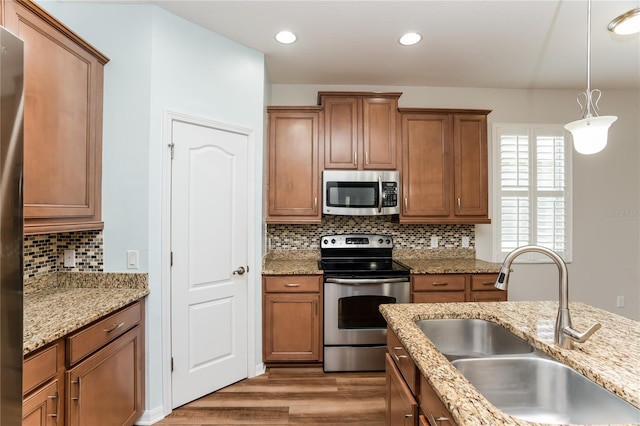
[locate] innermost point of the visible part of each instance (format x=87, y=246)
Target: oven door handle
x=357, y=281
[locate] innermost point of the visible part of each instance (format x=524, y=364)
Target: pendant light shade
x=591, y=132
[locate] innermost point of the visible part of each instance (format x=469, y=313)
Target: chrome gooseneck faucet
x=564, y=334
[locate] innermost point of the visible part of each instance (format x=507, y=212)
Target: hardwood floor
x=291, y=396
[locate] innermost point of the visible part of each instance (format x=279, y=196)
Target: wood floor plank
x=293, y=396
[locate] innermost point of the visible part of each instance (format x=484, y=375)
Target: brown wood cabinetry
x=43, y=386
x=293, y=185
x=360, y=130
x=442, y=288
x=410, y=400
x=63, y=85
x=292, y=319
x=92, y=377
x=402, y=408
x=444, y=166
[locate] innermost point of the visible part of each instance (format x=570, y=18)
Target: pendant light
x=591, y=131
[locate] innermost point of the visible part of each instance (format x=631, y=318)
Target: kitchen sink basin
x=472, y=338
x=540, y=389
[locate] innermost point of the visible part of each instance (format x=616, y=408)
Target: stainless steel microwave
x=360, y=192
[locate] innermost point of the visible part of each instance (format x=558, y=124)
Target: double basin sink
x=522, y=381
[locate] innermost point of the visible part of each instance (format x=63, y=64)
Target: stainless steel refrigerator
x=11, y=227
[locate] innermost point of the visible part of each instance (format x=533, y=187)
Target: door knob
x=239, y=271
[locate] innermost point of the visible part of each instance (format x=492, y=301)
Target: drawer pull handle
x=439, y=284
x=396, y=356
x=292, y=285
x=115, y=327
x=408, y=416
x=74, y=382
x=488, y=283
x=434, y=420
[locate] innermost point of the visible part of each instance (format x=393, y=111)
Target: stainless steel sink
x=543, y=390
x=464, y=338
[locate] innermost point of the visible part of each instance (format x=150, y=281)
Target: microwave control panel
x=389, y=194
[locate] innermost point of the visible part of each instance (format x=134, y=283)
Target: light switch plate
x=465, y=242
x=69, y=258
x=434, y=241
x=132, y=259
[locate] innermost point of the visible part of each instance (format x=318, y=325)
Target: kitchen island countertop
x=609, y=358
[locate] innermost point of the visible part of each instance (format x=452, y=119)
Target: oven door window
x=357, y=312
x=352, y=194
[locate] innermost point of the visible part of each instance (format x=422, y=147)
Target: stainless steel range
x=359, y=275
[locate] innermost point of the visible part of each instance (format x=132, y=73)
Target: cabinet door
x=106, y=389
x=342, y=123
x=294, y=180
x=435, y=412
x=42, y=407
x=379, y=133
x=470, y=165
x=292, y=327
x=63, y=84
x=426, y=165
x=402, y=409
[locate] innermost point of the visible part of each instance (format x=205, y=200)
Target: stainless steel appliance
x=11, y=228
x=359, y=275
x=360, y=192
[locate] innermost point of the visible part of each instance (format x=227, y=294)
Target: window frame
x=532, y=131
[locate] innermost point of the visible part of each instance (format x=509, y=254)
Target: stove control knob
x=380, y=241
x=325, y=241
x=333, y=241
x=388, y=241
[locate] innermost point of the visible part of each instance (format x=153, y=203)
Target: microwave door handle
x=379, y=194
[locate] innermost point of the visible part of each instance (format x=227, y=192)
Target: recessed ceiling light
x=286, y=37
x=410, y=39
x=627, y=23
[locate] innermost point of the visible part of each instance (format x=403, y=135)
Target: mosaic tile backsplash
x=44, y=254
x=307, y=237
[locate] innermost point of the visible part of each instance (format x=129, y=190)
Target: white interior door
x=209, y=188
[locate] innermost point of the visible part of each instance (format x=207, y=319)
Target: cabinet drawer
x=292, y=283
x=435, y=411
x=489, y=296
x=40, y=367
x=438, y=297
x=483, y=282
x=402, y=359
x=88, y=340
x=444, y=282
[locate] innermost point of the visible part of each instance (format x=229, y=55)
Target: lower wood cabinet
x=94, y=376
x=410, y=400
x=443, y=288
x=292, y=319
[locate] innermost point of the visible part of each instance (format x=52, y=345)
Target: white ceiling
x=538, y=44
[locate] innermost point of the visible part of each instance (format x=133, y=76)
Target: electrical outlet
x=620, y=302
x=465, y=242
x=434, y=241
x=69, y=258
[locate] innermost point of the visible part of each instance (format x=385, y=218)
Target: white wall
x=159, y=62
x=606, y=200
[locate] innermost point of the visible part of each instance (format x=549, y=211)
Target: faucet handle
x=576, y=336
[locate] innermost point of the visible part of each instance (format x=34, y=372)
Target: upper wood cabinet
x=444, y=166
x=63, y=87
x=293, y=186
x=360, y=130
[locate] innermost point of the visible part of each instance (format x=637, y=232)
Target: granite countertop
x=603, y=358
x=421, y=261
x=65, y=302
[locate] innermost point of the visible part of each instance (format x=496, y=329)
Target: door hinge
x=172, y=364
x=171, y=259
x=171, y=146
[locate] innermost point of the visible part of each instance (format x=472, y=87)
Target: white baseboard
x=150, y=417
x=260, y=369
